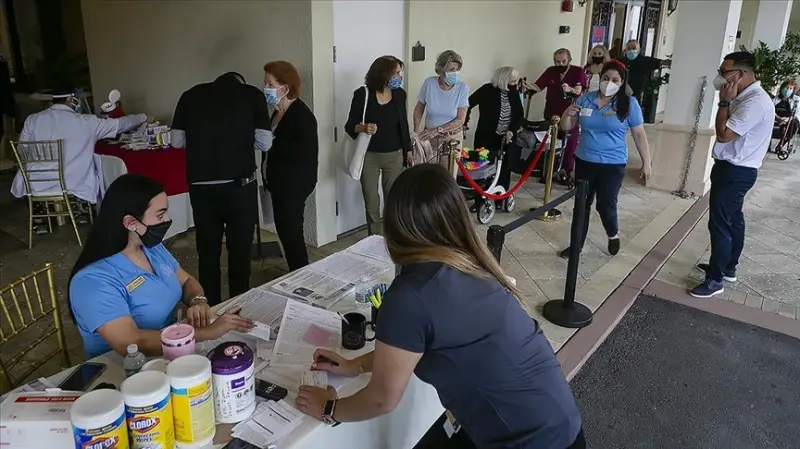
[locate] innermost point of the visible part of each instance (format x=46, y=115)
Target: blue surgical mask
x=632, y=54
x=787, y=93
x=396, y=82
x=451, y=78
x=272, y=96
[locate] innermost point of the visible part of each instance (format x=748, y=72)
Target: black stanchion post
x=566, y=312
x=495, y=238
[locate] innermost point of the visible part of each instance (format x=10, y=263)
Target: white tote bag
x=356, y=149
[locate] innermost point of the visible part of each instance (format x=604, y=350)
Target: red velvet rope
x=511, y=191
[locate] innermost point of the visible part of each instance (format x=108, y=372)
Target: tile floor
x=769, y=270
x=530, y=253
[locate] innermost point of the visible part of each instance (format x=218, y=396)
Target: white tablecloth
x=180, y=208
x=401, y=429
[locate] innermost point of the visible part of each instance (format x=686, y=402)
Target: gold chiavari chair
x=41, y=163
x=23, y=304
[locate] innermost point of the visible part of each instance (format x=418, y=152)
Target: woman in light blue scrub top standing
x=125, y=286
x=605, y=116
x=444, y=101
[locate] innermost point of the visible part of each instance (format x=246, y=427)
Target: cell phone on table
x=269, y=390
x=83, y=376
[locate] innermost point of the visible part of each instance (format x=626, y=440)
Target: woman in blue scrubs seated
x=605, y=116
x=454, y=319
x=125, y=285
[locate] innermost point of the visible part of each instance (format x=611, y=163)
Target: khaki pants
x=389, y=165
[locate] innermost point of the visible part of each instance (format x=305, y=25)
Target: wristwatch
x=198, y=298
x=724, y=103
x=327, y=413
x=440, y=130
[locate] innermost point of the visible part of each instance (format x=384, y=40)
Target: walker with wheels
x=486, y=173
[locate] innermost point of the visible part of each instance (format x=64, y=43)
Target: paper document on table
x=351, y=267
x=39, y=384
x=270, y=422
x=314, y=378
x=314, y=287
x=260, y=331
x=373, y=246
x=258, y=305
x=303, y=329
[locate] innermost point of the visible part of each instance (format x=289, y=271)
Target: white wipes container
x=98, y=421
x=192, y=401
x=233, y=377
x=148, y=410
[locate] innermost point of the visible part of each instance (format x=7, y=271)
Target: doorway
x=362, y=32
x=615, y=22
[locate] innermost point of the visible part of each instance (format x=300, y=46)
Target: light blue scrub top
x=441, y=106
x=114, y=287
x=603, y=135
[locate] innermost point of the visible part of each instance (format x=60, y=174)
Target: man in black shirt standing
x=222, y=123
x=640, y=67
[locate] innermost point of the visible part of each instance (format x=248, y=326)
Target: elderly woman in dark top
x=291, y=171
x=455, y=320
x=386, y=119
x=501, y=116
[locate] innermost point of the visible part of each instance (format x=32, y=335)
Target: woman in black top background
x=291, y=172
x=501, y=116
x=386, y=120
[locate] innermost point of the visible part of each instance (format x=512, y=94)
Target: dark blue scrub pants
x=604, y=181
x=729, y=184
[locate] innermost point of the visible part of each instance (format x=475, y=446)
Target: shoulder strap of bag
x=364, y=111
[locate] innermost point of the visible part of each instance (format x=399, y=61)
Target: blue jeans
x=604, y=181
x=729, y=184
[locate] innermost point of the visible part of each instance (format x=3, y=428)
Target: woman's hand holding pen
x=325, y=360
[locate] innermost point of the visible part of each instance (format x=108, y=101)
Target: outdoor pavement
x=769, y=270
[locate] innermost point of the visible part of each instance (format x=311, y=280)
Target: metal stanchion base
x=269, y=250
x=551, y=215
x=575, y=317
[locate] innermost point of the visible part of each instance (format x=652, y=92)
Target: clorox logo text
x=144, y=424
x=101, y=443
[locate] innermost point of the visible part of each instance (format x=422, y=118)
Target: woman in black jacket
x=291, y=173
x=386, y=121
x=501, y=116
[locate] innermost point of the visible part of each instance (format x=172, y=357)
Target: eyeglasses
x=723, y=72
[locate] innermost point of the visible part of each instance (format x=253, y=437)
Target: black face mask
x=155, y=234
x=597, y=59
x=512, y=87
x=562, y=68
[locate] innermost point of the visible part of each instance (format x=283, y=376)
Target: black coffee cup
x=373, y=321
x=354, y=331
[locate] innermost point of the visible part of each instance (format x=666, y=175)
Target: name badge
x=134, y=284
x=610, y=112
x=586, y=112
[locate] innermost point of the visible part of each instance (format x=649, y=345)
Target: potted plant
x=774, y=66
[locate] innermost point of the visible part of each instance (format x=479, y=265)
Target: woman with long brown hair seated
x=453, y=318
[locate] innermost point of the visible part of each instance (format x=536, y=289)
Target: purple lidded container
x=232, y=372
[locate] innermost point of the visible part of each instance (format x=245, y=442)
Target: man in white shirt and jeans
x=743, y=128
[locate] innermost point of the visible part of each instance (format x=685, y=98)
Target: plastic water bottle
x=363, y=291
x=133, y=361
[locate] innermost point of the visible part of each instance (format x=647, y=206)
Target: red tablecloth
x=165, y=166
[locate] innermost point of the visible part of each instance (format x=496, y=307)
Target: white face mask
x=608, y=88
x=719, y=81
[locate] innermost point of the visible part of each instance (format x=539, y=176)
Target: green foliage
x=774, y=66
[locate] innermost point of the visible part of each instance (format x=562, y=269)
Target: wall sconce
x=671, y=7
x=582, y=3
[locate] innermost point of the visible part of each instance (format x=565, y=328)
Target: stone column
x=772, y=22
x=706, y=32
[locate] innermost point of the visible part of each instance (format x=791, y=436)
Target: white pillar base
x=669, y=154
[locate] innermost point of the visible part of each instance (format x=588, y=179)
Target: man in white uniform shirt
x=743, y=128
x=79, y=133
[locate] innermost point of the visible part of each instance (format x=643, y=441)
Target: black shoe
x=729, y=276
x=613, y=246
x=564, y=254
x=474, y=207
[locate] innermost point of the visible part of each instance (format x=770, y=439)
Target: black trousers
x=289, y=205
x=233, y=209
x=604, y=180
x=436, y=438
